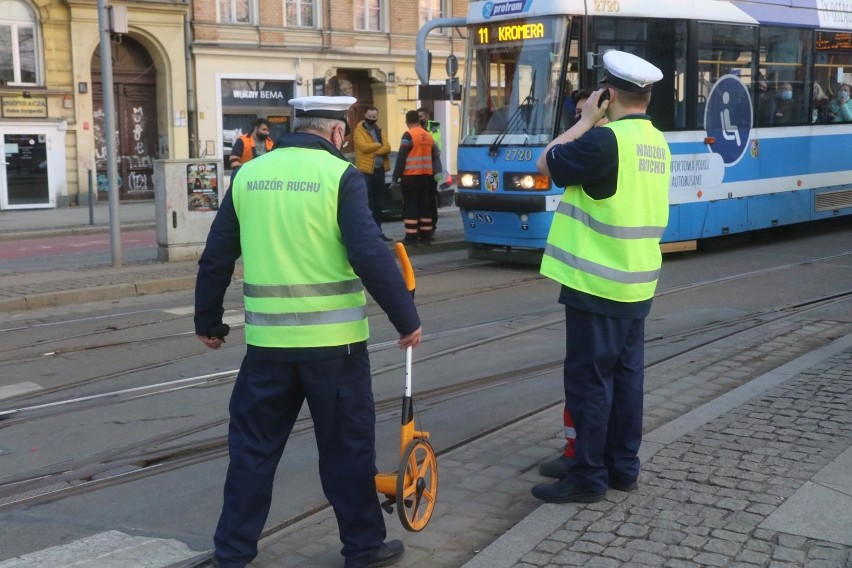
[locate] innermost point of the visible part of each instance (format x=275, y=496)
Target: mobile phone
x=604, y=97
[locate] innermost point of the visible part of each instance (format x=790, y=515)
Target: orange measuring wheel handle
x=405, y=264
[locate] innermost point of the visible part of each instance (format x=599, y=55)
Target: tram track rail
x=423, y=302
x=166, y=452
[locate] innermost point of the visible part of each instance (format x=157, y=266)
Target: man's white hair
x=315, y=123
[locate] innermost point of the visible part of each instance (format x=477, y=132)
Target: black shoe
x=565, y=492
x=556, y=468
x=386, y=238
x=388, y=554
x=623, y=485
x=409, y=241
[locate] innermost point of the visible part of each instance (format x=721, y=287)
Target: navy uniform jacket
x=367, y=253
x=591, y=161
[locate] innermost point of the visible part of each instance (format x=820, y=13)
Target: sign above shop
x=249, y=93
x=20, y=107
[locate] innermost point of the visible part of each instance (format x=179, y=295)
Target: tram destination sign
x=514, y=31
x=833, y=41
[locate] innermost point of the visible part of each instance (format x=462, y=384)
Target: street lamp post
x=109, y=131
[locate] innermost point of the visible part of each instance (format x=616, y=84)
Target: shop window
x=245, y=100
x=299, y=13
x=368, y=15
x=19, y=55
x=236, y=11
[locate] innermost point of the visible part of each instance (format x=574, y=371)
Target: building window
x=18, y=60
x=430, y=10
x=368, y=15
x=299, y=13
x=236, y=11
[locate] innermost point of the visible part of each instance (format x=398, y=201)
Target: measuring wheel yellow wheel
x=416, y=485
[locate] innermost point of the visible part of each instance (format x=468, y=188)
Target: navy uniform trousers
x=603, y=378
x=264, y=406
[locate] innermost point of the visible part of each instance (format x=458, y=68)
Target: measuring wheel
x=416, y=485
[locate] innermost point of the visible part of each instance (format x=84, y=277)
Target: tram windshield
x=512, y=83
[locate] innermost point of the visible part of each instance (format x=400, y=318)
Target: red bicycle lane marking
x=56, y=246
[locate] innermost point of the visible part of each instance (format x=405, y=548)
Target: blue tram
x=751, y=103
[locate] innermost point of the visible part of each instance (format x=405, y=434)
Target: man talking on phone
x=603, y=247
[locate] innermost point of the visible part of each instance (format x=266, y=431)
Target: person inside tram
x=819, y=105
x=764, y=102
x=840, y=108
x=784, y=106
x=480, y=120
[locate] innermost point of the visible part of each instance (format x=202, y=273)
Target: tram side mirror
x=423, y=65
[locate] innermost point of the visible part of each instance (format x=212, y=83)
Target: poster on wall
x=202, y=186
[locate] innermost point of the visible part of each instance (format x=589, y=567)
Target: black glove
x=220, y=330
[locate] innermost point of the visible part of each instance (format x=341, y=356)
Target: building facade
x=51, y=124
x=252, y=56
x=188, y=78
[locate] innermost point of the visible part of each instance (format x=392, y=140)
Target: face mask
x=262, y=136
x=844, y=95
x=787, y=95
x=370, y=122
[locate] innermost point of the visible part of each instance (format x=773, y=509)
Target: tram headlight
x=527, y=182
x=469, y=180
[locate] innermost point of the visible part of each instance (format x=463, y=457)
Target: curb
x=96, y=293
x=72, y=231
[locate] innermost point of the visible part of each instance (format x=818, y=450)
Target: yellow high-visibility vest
x=610, y=247
x=299, y=288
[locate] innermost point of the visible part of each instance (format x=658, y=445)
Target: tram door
x=23, y=171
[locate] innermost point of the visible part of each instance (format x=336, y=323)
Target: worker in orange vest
x=416, y=163
x=250, y=146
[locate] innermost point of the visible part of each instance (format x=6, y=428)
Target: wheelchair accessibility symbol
x=728, y=119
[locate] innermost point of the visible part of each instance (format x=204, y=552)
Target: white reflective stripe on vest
x=618, y=232
x=302, y=290
x=596, y=269
x=307, y=318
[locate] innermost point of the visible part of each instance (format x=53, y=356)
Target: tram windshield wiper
x=515, y=120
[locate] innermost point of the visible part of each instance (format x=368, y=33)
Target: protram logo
x=505, y=8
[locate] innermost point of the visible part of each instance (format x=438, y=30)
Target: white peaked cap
x=324, y=107
x=336, y=108
x=628, y=72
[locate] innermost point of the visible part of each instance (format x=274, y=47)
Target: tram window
x=621, y=29
x=781, y=95
x=832, y=76
x=663, y=42
x=723, y=49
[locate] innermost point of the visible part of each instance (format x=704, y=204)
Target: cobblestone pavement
x=706, y=499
